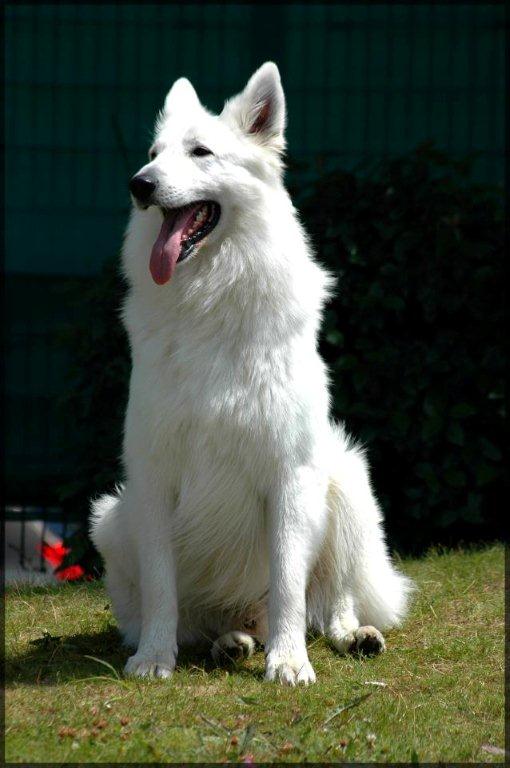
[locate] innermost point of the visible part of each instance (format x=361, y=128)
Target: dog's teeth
x=200, y=215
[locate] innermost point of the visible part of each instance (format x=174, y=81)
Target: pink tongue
x=167, y=248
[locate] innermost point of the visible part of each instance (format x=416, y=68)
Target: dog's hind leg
x=330, y=604
x=380, y=592
x=108, y=534
x=346, y=635
x=125, y=600
x=240, y=633
x=360, y=591
x=332, y=612
x=232, y=647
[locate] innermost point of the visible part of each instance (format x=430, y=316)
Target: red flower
x=54, y=554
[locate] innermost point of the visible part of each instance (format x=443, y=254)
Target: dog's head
x=204, y=169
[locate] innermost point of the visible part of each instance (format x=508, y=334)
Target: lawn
x=435, y=695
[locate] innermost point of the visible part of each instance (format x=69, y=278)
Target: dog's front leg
x=157, y=649
x=296, y=511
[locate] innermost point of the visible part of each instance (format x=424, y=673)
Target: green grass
x=442, y=698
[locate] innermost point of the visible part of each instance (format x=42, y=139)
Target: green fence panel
x=84, y=82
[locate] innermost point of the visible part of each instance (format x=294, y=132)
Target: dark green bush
x=412, y=338
x=94, y=403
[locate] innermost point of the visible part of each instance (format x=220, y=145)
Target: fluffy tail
x=103, y=521
x=381, y=593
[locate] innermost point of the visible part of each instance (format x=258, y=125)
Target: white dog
x=245, y=512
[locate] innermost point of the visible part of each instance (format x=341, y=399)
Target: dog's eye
x=200, y=151
x=153, y=154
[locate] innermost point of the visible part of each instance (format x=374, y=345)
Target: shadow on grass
x=54, y=660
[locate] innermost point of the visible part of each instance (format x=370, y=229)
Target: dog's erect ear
x=181, y=96
x=259, y=110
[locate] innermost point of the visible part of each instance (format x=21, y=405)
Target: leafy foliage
x=96, y=396
x=412, y=338
x=95, y=402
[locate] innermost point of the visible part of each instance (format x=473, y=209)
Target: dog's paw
x=144, y=666
x=366, y=641
x=289, y=669
x=232, y=647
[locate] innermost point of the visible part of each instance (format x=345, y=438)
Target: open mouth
x=181, y=233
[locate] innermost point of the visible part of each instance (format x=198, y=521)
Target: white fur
x=240, y=494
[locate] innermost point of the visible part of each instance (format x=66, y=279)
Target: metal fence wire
x=33, y=537
x=84, y=82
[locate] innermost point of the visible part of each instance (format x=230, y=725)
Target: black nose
x=141, y=188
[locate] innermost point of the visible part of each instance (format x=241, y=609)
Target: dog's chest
x=211, y=403
x=220, y=518
x=219, y=528
x=210, y=435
